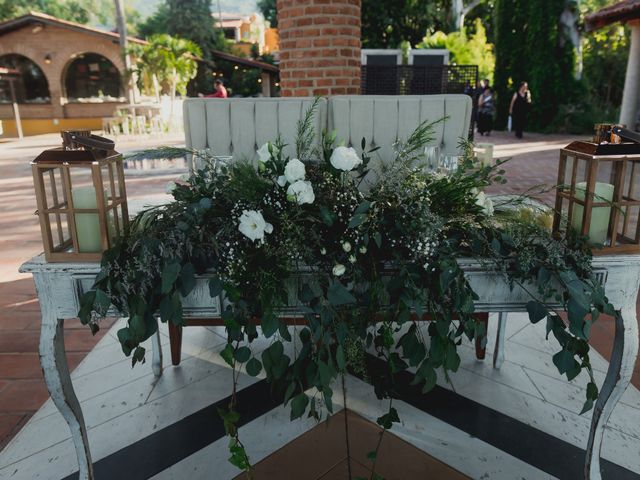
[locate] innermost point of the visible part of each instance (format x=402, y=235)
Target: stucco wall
x=62, y=45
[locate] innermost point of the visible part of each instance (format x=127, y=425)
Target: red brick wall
x=319, y=47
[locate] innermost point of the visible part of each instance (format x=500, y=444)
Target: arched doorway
x=92, y=77
x=31, y=87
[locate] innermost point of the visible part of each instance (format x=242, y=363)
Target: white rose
x=339, y=269
x=294, y=170
x=282, y=181
x=170, y=187
x=301, y=192
x=323, y=251
x=363, y=249
x=352, y=258
x=485, y=202
x=345, y=158
x=263, y=153
x=253, y=225
x=346, y=246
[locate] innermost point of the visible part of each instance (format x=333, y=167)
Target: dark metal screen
x=420, y=80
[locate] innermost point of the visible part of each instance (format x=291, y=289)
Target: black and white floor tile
x=517, y=422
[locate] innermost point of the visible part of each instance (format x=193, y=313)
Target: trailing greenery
x=366, y=253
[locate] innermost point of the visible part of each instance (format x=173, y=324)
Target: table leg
x=623, y=358
x=156, y=362
x=498, y=352
x=58, y=380
x=175, y=342
x=481, y=340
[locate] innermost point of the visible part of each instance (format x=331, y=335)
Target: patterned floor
x=522, y=419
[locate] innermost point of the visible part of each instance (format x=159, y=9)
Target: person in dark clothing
x=486, y=108
x=519, y=108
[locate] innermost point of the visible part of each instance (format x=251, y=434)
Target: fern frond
x=305, y=134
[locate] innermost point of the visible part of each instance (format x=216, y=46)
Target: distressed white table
x=61, y=285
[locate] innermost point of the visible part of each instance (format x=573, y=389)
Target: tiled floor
x=125, y=406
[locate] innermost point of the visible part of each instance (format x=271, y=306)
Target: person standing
x=221, y=92
x=519, y=108
x=486, y=108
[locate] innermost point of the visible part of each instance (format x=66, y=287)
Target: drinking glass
x=450, y=164
x=432, y=157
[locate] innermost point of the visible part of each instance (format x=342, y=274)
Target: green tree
x=155, y=23
x=510, y=31
x=71, y=10
x=165, y=64
x=269, y=12
x=465, y=49
x=387, y=24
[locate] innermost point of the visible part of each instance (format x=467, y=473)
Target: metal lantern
x=81, y=197
x=597, y=186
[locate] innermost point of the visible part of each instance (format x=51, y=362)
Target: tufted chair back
x=239, y=126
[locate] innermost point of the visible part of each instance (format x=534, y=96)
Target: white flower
x=485, y=202
x=352, y=258
x=346, y=246
x=363, y=249
x=253, y=225
x=294, y=170
x=339, y=269
x=345, y=158
x=301, y=192
x=323, y=251
x=170, y=187
x=263, y=153
x=282, y=181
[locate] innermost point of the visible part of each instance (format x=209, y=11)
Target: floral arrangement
x=380, y=246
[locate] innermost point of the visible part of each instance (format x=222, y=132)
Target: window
x=30, y=87
x=92, y=78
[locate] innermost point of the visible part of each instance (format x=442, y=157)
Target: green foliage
x=511, y=57
x=156, y=23
x=465, y=49
x=387, y=24
x=269, y=11
x=165, y=61
x=73, y=10
x=362, y=285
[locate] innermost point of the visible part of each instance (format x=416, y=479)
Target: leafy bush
x=465, y=50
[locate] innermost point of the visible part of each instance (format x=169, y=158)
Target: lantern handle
x=92, y=141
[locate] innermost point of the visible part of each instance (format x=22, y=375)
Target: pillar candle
x=599, y=215
x=485, y=154
x=87, y=224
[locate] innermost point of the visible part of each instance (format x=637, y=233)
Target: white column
x=266, y=84
x=629, y=108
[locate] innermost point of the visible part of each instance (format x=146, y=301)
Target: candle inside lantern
x=484, y=154
x=599, y=215
x=87, y=224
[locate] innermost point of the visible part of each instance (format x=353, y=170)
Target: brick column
x=319, y=47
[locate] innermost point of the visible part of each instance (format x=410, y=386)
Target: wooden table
x=61, y=285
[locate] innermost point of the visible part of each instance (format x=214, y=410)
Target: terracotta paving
x=22, y=389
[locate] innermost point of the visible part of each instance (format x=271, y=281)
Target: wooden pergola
x=627, y=11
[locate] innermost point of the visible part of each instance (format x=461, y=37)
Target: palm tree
x=165, y=63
